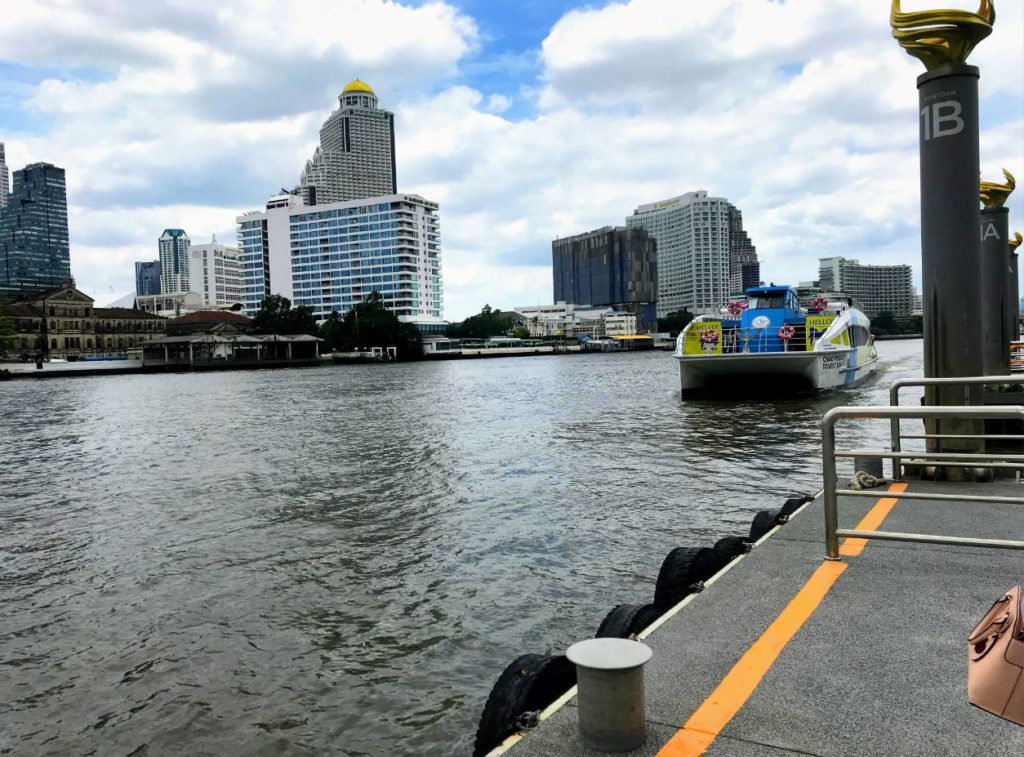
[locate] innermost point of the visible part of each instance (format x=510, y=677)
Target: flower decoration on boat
x=786, y=332
x=819, y=303
x=940, y=36
x=709, y=340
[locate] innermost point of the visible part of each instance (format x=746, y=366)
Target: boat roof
x=770, y=289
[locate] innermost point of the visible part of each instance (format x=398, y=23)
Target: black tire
x=728, y=548
x=646, y=615
x=682, y=573
x=531, y=682
x=792, y=505
x=617, y=622
x=763, y=522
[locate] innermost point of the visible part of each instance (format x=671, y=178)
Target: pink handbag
x=995, y=659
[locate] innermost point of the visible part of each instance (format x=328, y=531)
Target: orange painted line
x=739, y=684
x=870, y=522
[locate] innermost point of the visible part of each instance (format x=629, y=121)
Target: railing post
x=894, y=431
x=828, y=471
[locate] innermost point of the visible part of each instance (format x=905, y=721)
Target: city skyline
x=525, y=125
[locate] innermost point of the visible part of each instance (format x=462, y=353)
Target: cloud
x=804, y=114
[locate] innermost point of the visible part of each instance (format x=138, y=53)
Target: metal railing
x=966, y=382
x=829, y=453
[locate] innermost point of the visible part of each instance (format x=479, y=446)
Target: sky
x=526, y=120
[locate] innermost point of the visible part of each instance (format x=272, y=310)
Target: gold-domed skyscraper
x=356, y=156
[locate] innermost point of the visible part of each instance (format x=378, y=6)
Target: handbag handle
x=995, y=623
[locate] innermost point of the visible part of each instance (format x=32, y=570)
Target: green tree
x=277, y=316
x=485, y=324
x=521, y=332
x=370, y=324
x=884, y=323
x=675, y=321
x=330, y=331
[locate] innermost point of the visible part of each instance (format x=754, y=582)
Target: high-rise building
x=5, y=186
x=147, y=278
x=879, y=288
x=34, y=248
x=744, y=268
x=174, y=245
x=332, y=256
x=694, y=250
x=613, y=267
x=215, y=271
x=356, y=155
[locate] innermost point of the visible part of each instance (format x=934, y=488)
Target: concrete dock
x=785, y=653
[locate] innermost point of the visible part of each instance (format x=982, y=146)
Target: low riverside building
x=222, y=322
x=63, y=323
x=564, y=319
x=211, y=351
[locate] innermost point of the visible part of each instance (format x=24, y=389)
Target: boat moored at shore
x=769, y=344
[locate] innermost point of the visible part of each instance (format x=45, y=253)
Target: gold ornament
x=941, y=36
x=1015, y=241
x=994, y=195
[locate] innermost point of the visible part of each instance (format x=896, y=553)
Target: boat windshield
x=767, y=300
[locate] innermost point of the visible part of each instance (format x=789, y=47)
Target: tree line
x=368, y=324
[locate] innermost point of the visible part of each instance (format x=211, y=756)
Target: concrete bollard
x=610, y=692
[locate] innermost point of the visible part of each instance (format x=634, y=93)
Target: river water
x=341, y=560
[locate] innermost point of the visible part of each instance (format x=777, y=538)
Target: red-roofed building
x=209, y=322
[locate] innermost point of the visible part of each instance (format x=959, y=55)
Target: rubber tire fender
x=728, y=548
x=763, y=522
x=791, y=506
x=682, y=573
x=646, y=615
x=530, y=682
x=626, y=620
x=617, y=622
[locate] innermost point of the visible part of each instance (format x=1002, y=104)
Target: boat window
x=859, y=336
x=773, y=300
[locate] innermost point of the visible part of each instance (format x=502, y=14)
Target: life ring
x=786, y=332
x=734, y=308
x=819, y=303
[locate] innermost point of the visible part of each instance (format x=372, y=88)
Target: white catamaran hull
x=774, y=371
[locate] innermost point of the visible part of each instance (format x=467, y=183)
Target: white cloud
x=802, y=113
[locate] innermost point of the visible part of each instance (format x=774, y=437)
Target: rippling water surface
x=341, y=560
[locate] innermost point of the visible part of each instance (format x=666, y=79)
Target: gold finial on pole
x=941, y=36
x=994, y=195
x=1015, y=241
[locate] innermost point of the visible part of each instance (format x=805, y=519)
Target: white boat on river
x=769, y=344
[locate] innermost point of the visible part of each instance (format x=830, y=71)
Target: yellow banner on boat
x=816, y=326
x=704, y=338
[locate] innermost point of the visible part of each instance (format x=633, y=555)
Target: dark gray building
x=34, y=249
x=610, y=267
x=147, y=278
x=5, y=186
x=744, y=268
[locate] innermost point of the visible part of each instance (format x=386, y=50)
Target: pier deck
x=878, y=667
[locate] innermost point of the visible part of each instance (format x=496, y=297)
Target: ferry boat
x=768, y=344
